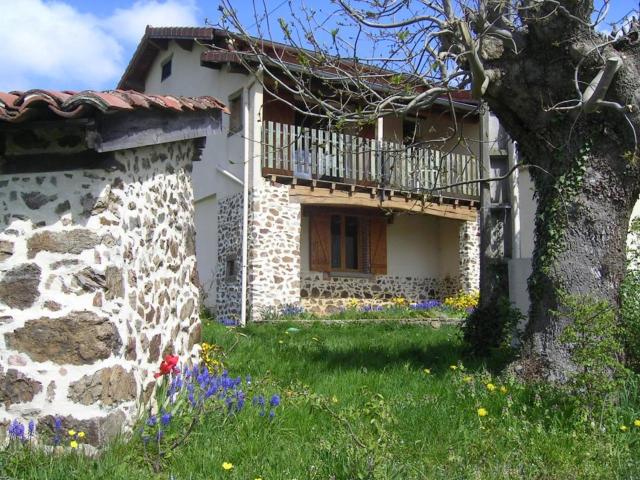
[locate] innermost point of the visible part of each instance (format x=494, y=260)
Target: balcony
x=343, y=161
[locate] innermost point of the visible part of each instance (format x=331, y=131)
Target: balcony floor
x=323, y=192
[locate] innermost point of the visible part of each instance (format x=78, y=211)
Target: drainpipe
x=230, y=175
x=245, y=201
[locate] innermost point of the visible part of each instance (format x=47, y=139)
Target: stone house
x=98, y=272
x=289, y=212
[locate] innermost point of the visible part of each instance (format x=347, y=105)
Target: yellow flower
x=427, y=371
x=72, y=433
x=334, y=399
x=80, y=434
x=398, y=301
x=463, y=301
x=467, y=379
x=227, y=465
x=73, y=444
x=623, y=428
x=491, y=387
x=482, y=412
x=637, y=423
x=503, y=389
x=352, y=304
x=280, y=341
x=453, y=367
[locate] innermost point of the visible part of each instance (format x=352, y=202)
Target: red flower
x=167, y=366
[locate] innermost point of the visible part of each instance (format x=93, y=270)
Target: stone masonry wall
x=470, y=256
x=274, y=249
x=328, y=295
x=97, y=281
x=229, y=283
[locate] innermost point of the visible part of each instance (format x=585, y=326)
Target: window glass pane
x=351, y=242
x=166, y=70
x=235, y=116
x=336, y=230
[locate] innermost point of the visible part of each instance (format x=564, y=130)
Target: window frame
x=236, y=96
x=165, y=62
x=230, y=268
x=343, y=243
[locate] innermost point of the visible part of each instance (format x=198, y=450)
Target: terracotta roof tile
x=16, y=107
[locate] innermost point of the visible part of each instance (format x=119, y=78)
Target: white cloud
x=49, y=44
x=129, y=24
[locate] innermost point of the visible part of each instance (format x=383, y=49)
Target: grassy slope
x=414, y=425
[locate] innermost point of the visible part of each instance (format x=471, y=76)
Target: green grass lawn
x=357, y=403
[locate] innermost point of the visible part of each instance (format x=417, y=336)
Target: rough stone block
x=110, y=386
x=15, y=387
x=77, y=338
x=19, y=286
x=6, y=249
x=72, y=241
x=98, y=430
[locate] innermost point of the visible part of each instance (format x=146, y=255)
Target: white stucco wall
x=449, y=246
x=190, y=79
x=222, y=152
x=523, y=224
x=420, y=245
x=633, y=239
x=527, y=215
x=206, y=216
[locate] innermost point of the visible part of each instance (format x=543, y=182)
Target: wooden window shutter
x=378, y=245
x=320, y=236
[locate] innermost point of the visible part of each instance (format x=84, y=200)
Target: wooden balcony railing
x=309, y=153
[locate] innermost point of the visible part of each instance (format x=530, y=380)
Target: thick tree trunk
x=585, y=201
x=584, y=165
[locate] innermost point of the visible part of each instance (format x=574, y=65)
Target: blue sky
x=86, y=44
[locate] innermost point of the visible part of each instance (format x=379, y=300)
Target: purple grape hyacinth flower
x=16, y=430
x=57, y=426
x=426, y=305
x=165, y=418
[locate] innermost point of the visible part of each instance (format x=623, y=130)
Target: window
x=230, y=269
x=410, y=131
x=345, y=242
x=235, y=114
x=166, y=70
x=348, y=243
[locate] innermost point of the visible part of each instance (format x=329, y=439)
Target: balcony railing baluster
x=312, y=153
